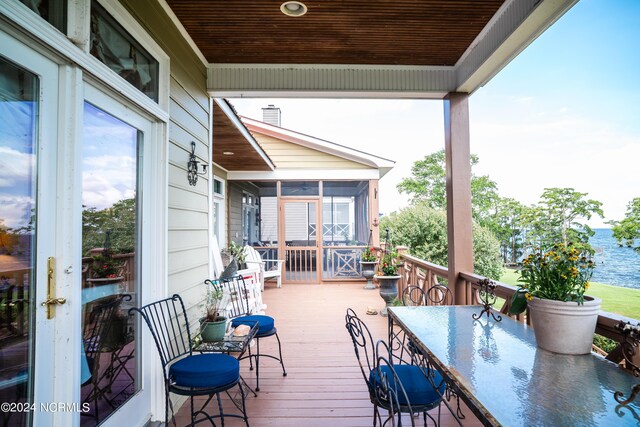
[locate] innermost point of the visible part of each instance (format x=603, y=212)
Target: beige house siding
x=287, y=155
x=188, y=206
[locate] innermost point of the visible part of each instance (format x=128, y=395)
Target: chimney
x=271, y=115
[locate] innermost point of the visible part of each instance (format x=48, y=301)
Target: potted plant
x=553, y=286
x=368, y=261
x=238, y=253
x=214, y=325
x=388, y=278
x=104, y=270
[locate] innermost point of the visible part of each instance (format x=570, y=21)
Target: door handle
x=54, y=301
x=51, y=300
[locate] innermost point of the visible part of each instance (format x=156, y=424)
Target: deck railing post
x=458, y=184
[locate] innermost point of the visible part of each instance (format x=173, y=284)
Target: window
x=52, y=11
x=218, y=210
x=117, y=49
x=250, y=219
x=345, y=213
x=218, y=187
x=299, y=188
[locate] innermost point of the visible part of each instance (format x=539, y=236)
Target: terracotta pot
x=564, y=327
x=388, y=290
x=368, y=270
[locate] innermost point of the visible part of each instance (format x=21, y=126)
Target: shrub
x=424, y=231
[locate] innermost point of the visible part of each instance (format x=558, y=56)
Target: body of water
x=619, y=266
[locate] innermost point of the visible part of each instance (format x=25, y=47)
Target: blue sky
x=564, y=113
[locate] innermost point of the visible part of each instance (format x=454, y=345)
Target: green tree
x=560, y=217
x=428, y=184
x=119, y=219
x=423, y=230
x=627, y=230
x=507, y=224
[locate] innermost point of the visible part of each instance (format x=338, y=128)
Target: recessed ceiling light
x=293, y=8
x=228, y=153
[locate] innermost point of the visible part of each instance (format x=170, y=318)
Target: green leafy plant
x=238, y=252
x=104, y=267
x=215, y=304
x=389, y=264
x=368, y=255
x=560, y=274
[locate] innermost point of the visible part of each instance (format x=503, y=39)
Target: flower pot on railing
x=368, y=270
x=388, y=290
x=564, y=327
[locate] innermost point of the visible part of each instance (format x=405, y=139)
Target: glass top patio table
x=505, y=379
x=230, y=343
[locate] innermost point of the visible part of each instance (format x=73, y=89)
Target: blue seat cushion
x=209, y=370
x=265, y=323
x=419, y=390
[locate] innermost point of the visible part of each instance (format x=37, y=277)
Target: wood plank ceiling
x=227, y=138
x=380, y=32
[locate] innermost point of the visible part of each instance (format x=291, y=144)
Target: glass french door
x=28, y=213
x=302, y=234
x=70, y=205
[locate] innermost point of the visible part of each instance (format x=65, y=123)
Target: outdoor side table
x=230, y=344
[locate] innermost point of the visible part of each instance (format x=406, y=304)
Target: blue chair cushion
x=209, y=370
x=265, y=323
x=419, y=390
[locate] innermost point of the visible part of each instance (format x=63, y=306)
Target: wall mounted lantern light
x=192, y=166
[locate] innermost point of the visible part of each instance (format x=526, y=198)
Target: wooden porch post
x=374, y=209
x=458, y=170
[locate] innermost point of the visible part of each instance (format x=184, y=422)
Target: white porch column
x=458, y=169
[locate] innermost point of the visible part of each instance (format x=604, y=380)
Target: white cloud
x=15, y=167
x=15, y=210
x=107, y=179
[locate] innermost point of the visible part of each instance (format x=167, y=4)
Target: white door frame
x=46, y=355
x=57, y=366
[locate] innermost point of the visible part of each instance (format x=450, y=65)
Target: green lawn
x=615, y=299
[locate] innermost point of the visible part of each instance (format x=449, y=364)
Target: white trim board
x=305, y=174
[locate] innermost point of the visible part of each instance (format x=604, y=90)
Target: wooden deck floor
x=324, y=386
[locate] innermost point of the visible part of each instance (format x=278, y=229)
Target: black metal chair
x=185, y=373
x=436, y=295
x=97, y=325
x=396, y=385
x=240, y=313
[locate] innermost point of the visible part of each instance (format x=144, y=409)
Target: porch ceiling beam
x=329, y=81
x=516, y=24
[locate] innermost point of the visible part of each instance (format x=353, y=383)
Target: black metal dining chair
x=396, y=385
x=437, y=294
x=185, y=373
x=97, y=324
x=240, y=313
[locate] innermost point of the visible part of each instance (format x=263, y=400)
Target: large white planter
x=564, y=327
